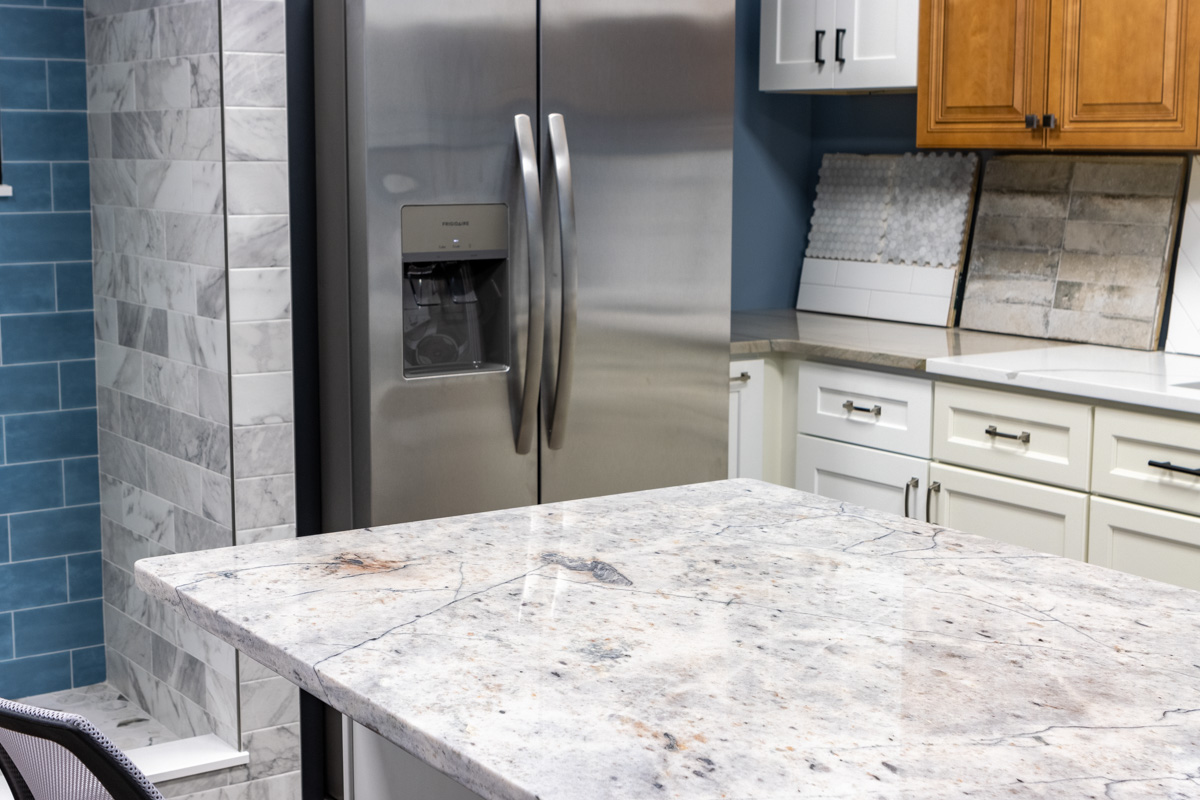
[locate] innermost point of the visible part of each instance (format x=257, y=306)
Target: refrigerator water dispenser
x=455, y=289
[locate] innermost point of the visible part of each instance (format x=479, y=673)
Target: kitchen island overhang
x=722, y=640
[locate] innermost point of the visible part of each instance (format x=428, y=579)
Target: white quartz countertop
x=1154, y=379
x=727, y=640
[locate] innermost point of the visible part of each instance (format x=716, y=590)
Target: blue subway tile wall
x=51, y=618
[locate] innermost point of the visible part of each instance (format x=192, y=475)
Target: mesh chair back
x=51, y=755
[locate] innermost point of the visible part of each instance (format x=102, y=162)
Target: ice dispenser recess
x=455, y=289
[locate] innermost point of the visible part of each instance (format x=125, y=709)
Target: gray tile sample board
x=1074, y=247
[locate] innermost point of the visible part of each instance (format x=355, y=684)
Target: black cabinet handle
x=1032, y=122
x=936, y=486
x=838, y=41
x=1050, y=122
x=820, y=61
x=849, y=406
x=1167, y=465
x=912, y=483
x=1022, y=437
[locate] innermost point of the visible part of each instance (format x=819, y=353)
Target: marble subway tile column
x=154, y=120
x=260, y=345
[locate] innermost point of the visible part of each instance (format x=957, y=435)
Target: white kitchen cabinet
x=866, y=407
x=862, y=476
x=838, y=45
x=1042, y=518
x=1049, y=441
x=1156, y=544
x=1147, y=458
x=376, y=769
x=747, y=409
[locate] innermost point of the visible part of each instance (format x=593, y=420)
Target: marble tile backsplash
x=187, y=121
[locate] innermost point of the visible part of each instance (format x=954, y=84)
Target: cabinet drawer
x=1041, y=440
x=875, y=409
x=862, y=476
x=1145, y=541
x=1038, y=517
x=1126, y=447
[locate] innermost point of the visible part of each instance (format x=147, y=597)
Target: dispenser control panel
x=454, y=232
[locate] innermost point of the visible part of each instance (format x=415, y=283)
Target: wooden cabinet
x=1018, y=512
x=981, y=71
x=746, y=417
x=1147, y=458
x=1087, y=74
x=869, y=478
x=838, y=45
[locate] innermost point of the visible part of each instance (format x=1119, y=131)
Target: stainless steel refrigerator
x=524, y=250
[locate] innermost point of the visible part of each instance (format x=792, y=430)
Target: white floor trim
x=184, y=758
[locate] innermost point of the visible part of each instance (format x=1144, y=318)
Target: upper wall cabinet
x=1058, y=74
x=838, y=45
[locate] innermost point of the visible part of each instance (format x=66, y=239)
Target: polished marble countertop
x=870, y=342
x=726, y=640
x=1153, y=379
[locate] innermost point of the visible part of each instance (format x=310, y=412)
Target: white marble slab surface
x=726, y=640
x=1152, y=379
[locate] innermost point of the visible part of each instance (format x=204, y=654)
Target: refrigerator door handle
x=570, y=278
x=527, y=151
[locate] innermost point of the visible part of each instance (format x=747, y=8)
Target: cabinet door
x=875, y=44
x=981, y=70
x=1018, y=512
x=797, y=45
x=746, y=410
x=1145, y=541
x=1124, y=74
x=862, y=476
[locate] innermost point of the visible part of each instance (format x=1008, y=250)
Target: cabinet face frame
x=1170, y=123
x=939, y=125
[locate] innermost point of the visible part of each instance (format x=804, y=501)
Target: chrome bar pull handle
x=570, y=280
x=849, y=406
x=1167, y=465
x=913, y=483
x=527, y=151
x=1022, y=437
x=936, y=486
x=743, y=378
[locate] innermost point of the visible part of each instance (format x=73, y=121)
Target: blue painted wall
x=51, y=620
x=771, y=194
x=779, y=141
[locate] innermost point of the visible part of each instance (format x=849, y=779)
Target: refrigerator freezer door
x=645, y=90
x=433, y=90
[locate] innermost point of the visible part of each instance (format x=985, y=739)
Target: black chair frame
x=109, y=771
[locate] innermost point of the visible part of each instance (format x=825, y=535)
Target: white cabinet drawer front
x=881, y=481
x=1027, y=437
x=1018, y=512
x=1156, y=544
x=1126, y=444
x=875, y=409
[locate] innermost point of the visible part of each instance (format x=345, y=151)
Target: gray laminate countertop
x=866, y=341
x=725, y=640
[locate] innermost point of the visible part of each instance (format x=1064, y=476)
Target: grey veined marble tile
x=1074, y=247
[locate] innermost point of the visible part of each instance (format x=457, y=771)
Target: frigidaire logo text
x=454, y=223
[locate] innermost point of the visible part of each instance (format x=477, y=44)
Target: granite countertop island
x=727, y=640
